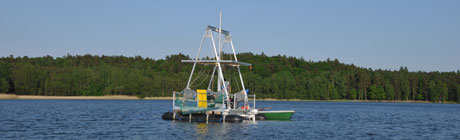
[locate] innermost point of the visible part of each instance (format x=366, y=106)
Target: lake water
x=141, y=119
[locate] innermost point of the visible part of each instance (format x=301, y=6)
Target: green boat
x=277, y=115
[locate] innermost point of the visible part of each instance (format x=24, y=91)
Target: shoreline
x=108, y=97
x=126, y=97
x=348, y=100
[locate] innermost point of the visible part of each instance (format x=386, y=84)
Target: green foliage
x=342, y=89
x=434, y=91
x=420, y=97
x=376, y=93
x=141, y=96
x=381, y=93
x=444, y=90
x=373, y=92
x=28, y=79
x=271, y=77
x=390, y=91
x=4, y=86
x=284, y=82
x=405, y=90
x=353, y=94
x=363, y=84
x=458, y=93
x=332, y=92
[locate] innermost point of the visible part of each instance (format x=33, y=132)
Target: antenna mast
x=219, y=81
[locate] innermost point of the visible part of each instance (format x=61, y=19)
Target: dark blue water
x=141, y=119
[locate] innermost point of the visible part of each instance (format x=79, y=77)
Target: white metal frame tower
x=218, y=54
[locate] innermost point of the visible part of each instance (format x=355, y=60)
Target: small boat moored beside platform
x=277, y=115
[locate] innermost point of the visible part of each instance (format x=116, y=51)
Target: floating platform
x=191, y=110
x=216, y=103
x=200, y=117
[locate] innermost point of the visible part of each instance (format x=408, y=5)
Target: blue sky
x=422, y=35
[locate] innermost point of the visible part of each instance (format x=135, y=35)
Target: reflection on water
x=201, y=130
x=141, y=119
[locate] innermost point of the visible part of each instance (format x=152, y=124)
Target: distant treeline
x=270, y=77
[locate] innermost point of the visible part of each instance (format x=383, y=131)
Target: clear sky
x=422, y=35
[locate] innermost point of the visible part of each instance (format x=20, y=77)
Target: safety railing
x=180, y=101
x=250, y=97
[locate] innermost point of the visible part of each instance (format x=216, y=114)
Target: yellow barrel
x=202, y=98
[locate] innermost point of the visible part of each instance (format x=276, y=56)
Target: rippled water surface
x=141, y=119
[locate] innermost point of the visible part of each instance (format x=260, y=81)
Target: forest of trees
x=270, y=77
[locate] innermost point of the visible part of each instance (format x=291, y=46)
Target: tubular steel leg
x=174, y=115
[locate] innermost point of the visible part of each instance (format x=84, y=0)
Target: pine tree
x=389, y=89
x=353, y=94
x=372, y=92
x=458, y=93
x=434, y=91
x=4, y=86
x=363, y=83
x=405, y=90
x=444, y=91
x=381, y=93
